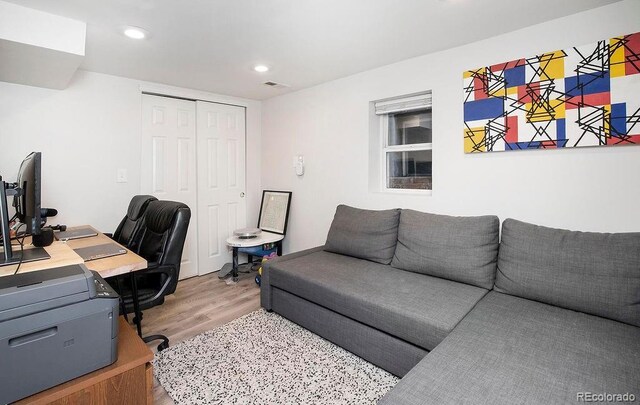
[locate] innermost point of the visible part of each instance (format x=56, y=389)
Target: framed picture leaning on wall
x=274, y=211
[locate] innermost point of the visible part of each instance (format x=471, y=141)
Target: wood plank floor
x=198, y=305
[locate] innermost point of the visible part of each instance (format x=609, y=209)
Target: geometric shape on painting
x=483, y=109
x=589, y=83
x=511, y=137
x=561, y=133
x=515, y=76
x=632, y=54
x=618, y=120
x=474, y=140
x=616, y=59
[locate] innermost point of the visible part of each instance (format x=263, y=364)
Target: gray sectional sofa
x=539, y=315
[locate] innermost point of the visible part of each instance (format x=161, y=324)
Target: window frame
x=385, y=148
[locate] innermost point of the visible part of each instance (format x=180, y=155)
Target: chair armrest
x=154, y=268
x=153, y=265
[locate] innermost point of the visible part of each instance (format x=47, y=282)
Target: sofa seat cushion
x=419, y=309
x=510, y=350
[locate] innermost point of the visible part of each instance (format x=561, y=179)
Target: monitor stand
x=10, y=257
x=27, y=255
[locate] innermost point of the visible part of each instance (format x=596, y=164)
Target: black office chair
x=160, y=240
x=125, y=234
x=131, y=223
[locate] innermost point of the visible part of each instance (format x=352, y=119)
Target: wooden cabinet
x=127, y=381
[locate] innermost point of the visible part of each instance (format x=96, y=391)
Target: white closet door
x=168, y=163
x=221, y=181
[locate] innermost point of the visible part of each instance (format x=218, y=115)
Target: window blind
x=402, y=104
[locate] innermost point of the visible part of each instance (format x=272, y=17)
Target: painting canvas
x=583, y=96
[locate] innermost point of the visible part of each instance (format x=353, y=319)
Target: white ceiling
x=212, y=45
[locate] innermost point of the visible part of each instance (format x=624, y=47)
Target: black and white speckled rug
x=263, y=358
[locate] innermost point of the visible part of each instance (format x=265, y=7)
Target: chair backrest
x=163, y=233
x=131, y=223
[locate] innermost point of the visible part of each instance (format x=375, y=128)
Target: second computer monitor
x=28, y=202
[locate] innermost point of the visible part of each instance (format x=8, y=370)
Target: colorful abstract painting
x=583, y=96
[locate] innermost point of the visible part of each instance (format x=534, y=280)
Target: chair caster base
x=161, y=346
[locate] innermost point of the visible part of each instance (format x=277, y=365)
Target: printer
x=55, y=325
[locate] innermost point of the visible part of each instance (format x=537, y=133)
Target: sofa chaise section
x=510, y=350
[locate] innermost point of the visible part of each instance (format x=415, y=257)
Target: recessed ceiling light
x=135, y=32
x=261, y=68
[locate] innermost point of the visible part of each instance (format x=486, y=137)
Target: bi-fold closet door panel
x=194, y=152
x=221, y=180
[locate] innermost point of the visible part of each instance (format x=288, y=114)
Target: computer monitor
x=26, y=200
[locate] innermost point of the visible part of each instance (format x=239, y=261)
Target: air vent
x=276, y=85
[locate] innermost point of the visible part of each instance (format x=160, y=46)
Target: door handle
x=241, y=195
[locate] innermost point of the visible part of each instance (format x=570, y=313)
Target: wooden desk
x=62, y=254
x=109, y=266
x=127, y=381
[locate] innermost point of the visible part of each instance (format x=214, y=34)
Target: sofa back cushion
x=365, y=234
x=463, y=249
x=596, y=273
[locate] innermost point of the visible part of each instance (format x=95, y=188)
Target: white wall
x=583, y=189
x=37, y=28
x=89, y=131
x=38, y=48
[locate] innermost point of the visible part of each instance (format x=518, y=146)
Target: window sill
x=417, y=193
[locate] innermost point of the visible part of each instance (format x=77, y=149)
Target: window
x=405, y=129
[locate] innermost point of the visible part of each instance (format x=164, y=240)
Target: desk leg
x=234, y=268
x=136, y=303
x=279, y=248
